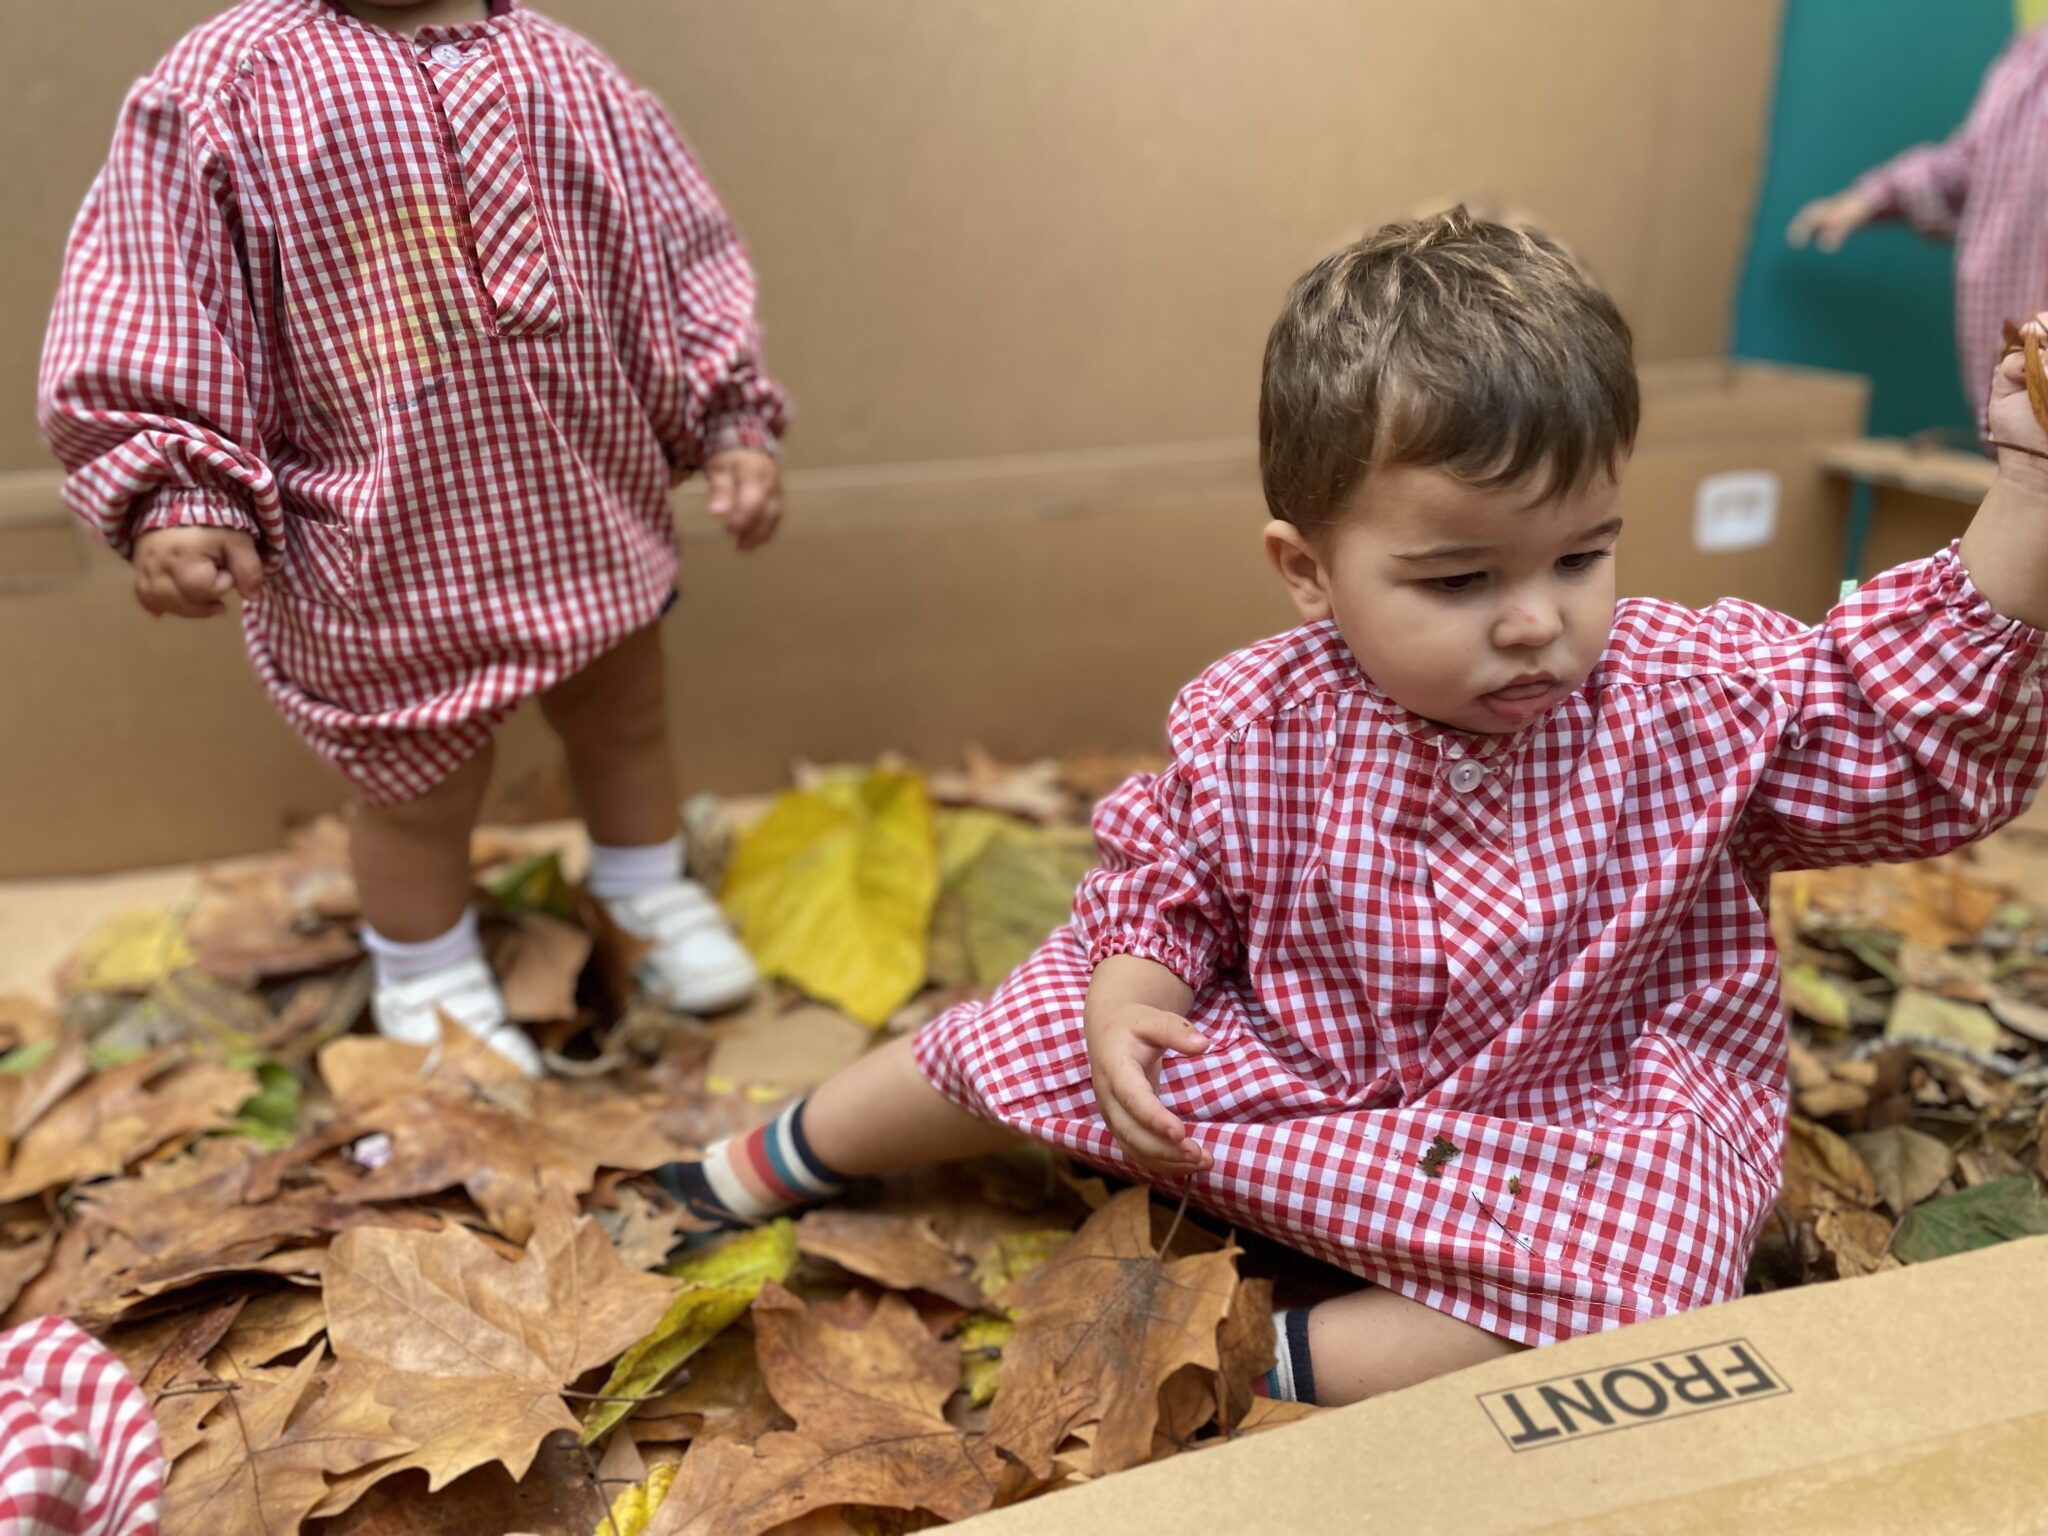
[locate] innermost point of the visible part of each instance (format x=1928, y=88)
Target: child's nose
x=1528, y=625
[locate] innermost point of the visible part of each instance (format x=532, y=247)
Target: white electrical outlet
x=1734, y=511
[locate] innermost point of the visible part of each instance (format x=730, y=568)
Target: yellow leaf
x=1016, y=1254
x=721, y=1283
x=1811, y=992
x=764, y=1253
x=982, y=1338
x=1004, y=887
x=699, y=1314
x=132, y=952
x=632, y=1509
x=1918, y=1015
x=833, y=891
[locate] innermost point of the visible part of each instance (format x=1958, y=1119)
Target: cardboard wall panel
x=992, y=228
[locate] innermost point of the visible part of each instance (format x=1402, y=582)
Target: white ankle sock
x=620, y=872
x=397, y=962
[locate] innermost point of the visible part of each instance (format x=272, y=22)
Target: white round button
x=1465, y=777
x=448, y=55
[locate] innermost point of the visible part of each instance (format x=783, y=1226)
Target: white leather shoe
x=411, y=1011
x=696, y=965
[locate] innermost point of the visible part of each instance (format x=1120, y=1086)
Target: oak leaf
x=870, y=1429
x=468, y=1352
x=120, y=1115
x=900, y=1251
x=724, y=1399
x=508, y=1144
x=260, y=1465
x=1099, y=1330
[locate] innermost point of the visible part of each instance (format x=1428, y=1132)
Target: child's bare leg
x=875, y=1116
x=411, y=860
x=613, y=720
x=879, y=1115
x=412, y=872
x=1373, y=1341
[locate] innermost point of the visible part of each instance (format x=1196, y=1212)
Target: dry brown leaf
x=899, y=1251
x=1857, y=1240
x=1099, y=1330
x=1245, y=1344
x=48, y=1291
x=1034, y=791
x=26, y=1097
x=507, y=1144
x=468, y=1352
x=24, y=1253
x=538, y=968
x=869, y=1429
x=248, y=926
x=274, y=1324
x=1907, y=1165
x=254, y=1469
x=167, y=1352
x=1271, y=1413
x=784, y=1049
x=1832, y=1098
x=643, y=1231
x=24, y=1021
x=726, y=1398
x=1823, y=1172
x=1985, y=1165
x=120, y=1115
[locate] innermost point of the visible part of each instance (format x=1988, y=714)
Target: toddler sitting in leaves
x=1439, y=949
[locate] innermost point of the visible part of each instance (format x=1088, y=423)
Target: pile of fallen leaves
x=1919, y=996
x=374, y=1289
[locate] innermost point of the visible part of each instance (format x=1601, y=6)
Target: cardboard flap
x=1914, y=1401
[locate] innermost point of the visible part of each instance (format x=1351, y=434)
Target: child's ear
x=1301, y=568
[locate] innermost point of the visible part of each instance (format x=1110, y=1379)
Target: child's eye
x=1585, y=560
x=1467, y=582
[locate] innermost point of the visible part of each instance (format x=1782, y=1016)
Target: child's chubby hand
x=2012, y=420
x=1125, y=1044
x=746, y=494
x=190, y=571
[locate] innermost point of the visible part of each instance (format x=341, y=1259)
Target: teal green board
x=1859, y=80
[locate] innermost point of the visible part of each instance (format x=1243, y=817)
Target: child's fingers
x=763, y=527
x=1159, y=1154
x=1137, y=1097
x=245, y=566
x=723, y=480
x=1170, y=1032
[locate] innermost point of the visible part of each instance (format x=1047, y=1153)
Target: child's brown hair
x=1450, y=342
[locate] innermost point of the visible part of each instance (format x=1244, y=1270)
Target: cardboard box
x=1913, y=1402
x=992, y=228
x=1034, y=604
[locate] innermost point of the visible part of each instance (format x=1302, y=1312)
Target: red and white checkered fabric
x=79, y=1454
x=1986, y=188
x=1565, y=970
x=440, y=320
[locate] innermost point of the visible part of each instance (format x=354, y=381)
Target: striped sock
x=750, y=1178
x=1292, y=1378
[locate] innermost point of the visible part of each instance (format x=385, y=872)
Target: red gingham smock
x=1985, y=188
x=439, y=320
x=79, y=1453
x=1549, y=947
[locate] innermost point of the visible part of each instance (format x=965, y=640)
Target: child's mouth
x=1522, y=699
